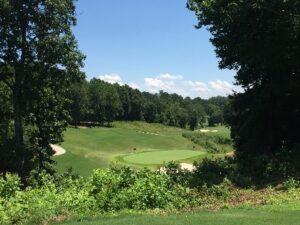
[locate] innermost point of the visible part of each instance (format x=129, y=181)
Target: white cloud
x=111, y=78
x=167, y=76
x=177, y=84
x=155, y=84
x=134, y=85
x=221, y=86
x=166, y=82
x=198, y=86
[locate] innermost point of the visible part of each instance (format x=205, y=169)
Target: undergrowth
x=118, y=189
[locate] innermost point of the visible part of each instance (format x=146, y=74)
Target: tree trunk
x=19, y=141
x=17, y=100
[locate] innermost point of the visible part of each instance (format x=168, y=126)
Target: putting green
x=159, y=157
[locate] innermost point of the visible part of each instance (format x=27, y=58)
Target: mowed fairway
x=159, y=157
x=87, y=149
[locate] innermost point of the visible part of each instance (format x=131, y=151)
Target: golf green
x=160, y=156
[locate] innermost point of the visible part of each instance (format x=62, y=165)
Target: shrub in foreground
x=122, y=189
x=107, y=190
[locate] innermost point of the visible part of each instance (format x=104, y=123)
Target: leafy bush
x=48, y=200
x=115, y=189
x=121, y=188
x=221, y=190
x=211, y=172
x=176, y=174
x=9, y=186
x=290, y=184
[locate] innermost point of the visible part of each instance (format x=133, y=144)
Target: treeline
x=98, y=102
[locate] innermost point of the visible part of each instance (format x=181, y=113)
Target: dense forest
x=99, y=103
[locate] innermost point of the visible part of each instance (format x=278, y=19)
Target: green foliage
x=79, y=105
x=116, y=189
x=106, y=190
x=291, y=183
x=104, y=102
x=120, y=189
x=47, y=200
x=211, y=172
x=176, y=174
x=9, y=186
x=220, y=190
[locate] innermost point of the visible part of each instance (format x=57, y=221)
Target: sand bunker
x=58, y=150
x=186, y=166
x=204, y=131
x=142, y=132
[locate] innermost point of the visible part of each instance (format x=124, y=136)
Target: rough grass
x=216, y=140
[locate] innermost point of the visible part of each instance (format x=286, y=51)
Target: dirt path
x=58, y=150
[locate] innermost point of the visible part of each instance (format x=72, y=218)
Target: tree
x=216, y=118
x=260, y=39
x=124, y=95
x=112, y=104
x=97, y=101
x=104, y=101
x=6, y=129
x=181, y=117
x=78, y=95
x=150, y=113
x=137, y=104
x=39, y=58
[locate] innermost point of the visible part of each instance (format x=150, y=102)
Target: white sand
x=230, y=153
x=187, y=166
x=82, y=127
x=184, y=166
x=58, y=150
x=142, y=132
x=204, y=131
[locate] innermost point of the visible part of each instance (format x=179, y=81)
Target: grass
x=92, y=148
x=224, y=217
x=160, y=156
x=129, y=143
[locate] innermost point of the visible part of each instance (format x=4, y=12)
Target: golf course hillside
x=137, y=144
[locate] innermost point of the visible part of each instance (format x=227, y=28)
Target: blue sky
x=151, y=45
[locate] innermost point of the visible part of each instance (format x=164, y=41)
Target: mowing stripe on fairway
x=160, y=156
